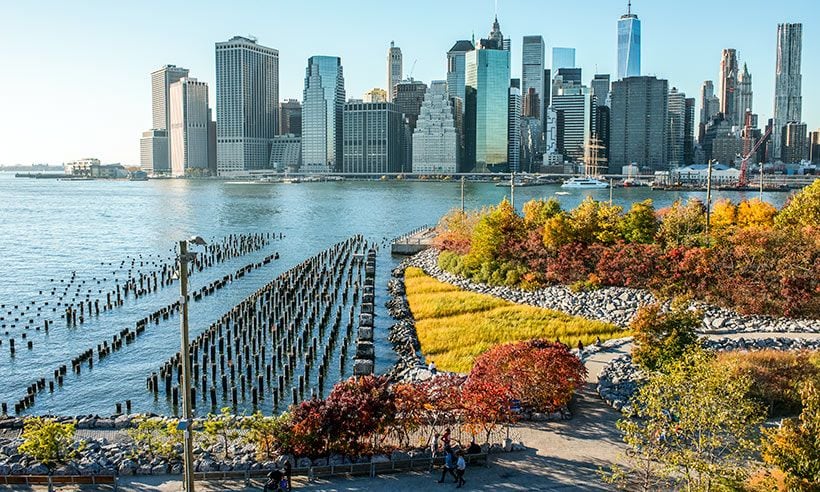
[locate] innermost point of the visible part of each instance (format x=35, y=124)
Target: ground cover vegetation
x=455, y=326
x=754, y=259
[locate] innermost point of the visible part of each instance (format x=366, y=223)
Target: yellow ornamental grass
x=455, y=326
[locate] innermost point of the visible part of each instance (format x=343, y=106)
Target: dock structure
x=414, y=242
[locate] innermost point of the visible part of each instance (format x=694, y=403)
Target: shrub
x=538, y=212
x=777, y=376
x=755, y=213
x=795, y=446
x=629, y=265
x=493, y=233
x=357, y=409
x=157, y=438
x=802, y=209
x=455, y=230
x=221, y=429
x=663, y=337
x=640, y=224
x=271, y=436
x=47, y=441
x=683, y=224
x=541, y=374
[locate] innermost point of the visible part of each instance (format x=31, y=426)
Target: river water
x=49, y=229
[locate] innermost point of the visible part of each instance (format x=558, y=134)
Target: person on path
x=274, y=479
x=288, y=474
x=432, y=367
x=445, y=438
x=461, y=465
x=449, y=465
x=433, y=450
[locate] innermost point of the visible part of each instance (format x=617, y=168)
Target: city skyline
x=89, y=124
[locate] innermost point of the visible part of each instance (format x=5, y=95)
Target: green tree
x=695, y=422
x=803, y=209
x=795, y=446
x=495, y=231
x=49, y=442
x=663, y=336
x=270, y=435
x=222, y=428
x=683, y=224
x=640, y=224
x=594, y=221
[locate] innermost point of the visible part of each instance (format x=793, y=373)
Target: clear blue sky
x=74, y=80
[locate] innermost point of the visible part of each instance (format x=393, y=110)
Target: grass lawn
x=455, y=326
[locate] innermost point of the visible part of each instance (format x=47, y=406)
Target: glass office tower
x=629, y=45
x=486, y=122
x=322, y=115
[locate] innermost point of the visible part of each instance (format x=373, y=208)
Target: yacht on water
x=592, y=165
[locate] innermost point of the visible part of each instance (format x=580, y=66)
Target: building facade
x=247, y=109
x=395, y=71
x=456, y=66
x=375, y=95
x=575, y=121
x=435, y=140
x=676, y=104
x=323, y=115
x=562, y=58
x=794, y=144
x=372, y=138
x=709, y=106
x=161, y=81
x=629, y=45
x=190, y=119
x=290, y=117
x=814, y=147
x=532, y=76
x=744, y=97
x=689, y=132
x=286, y=153
x=788, y=90
x=514, y=127
x=600, y=88
x=154, y=152
x=639, y=123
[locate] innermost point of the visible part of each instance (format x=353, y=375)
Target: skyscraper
x=375, y=95
x=456, y=65
x=408, y=96
x=743, y=97
x=487, y=98
x=322, y=115
x=372, y=142
x=435, y=141
x=639, y=123
x=188, y=139
x=600, y=88
x=562, y=58
x=575, y=120
x=394, y=69
x=676, y=108
x=514, y=126
x=788, y=99
x=728, y=85
x=689, y=132
x=161, y=81
x=629, y=44
x=709, y=106
x=247, y=104
x=154, y=152
x=814, y=146
x=290, y=117
x=532, y=74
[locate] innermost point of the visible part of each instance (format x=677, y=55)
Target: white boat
x=584, y=183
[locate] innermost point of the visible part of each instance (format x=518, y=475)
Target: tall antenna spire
x=628, y=7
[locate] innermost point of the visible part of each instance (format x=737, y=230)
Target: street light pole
x=708, y=196
x=188, y=462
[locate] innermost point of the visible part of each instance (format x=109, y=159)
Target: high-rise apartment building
x=676, y=136
x=154, y=152
x=794, y=144
x=728, y=85
x=435, y=140
x=562, y=58
x=188, y=136
x=323, y=114
x=395, y=71
x=743, y=96
x=456, y=65
x=532, y=75
x=629, y=44
x=247, y=104
x=372, y=138
x=375, y=95
x=639, y=123
x=514, y=127
x=487, y=98
x=788, y=95
x=290, y=117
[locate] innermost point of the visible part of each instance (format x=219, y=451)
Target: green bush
x=663, y=337
x=47, y=441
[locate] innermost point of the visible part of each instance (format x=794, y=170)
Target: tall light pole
x=185, y=356
x=708, y=196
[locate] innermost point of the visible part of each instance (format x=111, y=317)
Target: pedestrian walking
x=461, y=466
x=432, y=367
x=449, y=465
x=445, y=438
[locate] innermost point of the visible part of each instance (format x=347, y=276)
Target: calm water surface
x=49, y=229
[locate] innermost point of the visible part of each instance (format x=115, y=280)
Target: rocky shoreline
x=620, y=379
x=616, y=305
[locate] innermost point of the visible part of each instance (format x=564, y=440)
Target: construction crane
x=743, y=180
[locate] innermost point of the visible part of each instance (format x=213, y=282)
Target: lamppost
x=185, y=356
x=709, y=197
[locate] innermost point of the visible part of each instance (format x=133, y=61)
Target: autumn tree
x=661, y=337
x=802, y=209
x=755, y=213
x=794, y=447
x=695, y=421
x=487, y=405
x=48, y=441
x=541, y=374
x=454, y=231
x=356, y=410
x=640, y=224
x=271, y=436
x=683, y=224
x=538, y=212
x=724, y=215
x=310, y=428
